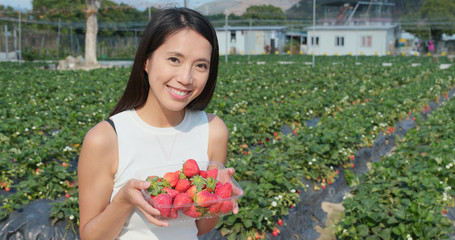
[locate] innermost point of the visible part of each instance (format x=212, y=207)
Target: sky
x=25, y=5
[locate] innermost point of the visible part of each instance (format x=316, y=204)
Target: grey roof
x=348, y=27
x=253, y=28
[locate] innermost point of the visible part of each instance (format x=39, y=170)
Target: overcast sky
x=139, y=4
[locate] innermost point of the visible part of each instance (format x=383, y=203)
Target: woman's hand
x=225, y=175
x=131, y=194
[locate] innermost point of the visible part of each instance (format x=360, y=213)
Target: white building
x=352, y=27
x=251, y=40
x=352, y=40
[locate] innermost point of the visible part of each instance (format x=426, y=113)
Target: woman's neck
x=158, y=117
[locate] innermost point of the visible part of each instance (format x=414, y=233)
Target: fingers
x=134, y=188
x=151, y=218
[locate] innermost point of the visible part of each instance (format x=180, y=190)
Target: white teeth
x=178, y=92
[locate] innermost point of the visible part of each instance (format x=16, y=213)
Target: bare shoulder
x=100, y=144
x=217, y=127
x=101, y=135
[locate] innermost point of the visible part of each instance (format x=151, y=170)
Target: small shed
x=251, y=39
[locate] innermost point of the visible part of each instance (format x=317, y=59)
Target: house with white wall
x=352, y=40
x=352, y=27
x=251, y=39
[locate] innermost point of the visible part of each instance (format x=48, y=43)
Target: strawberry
x=203, y=173
x=156, y=185
x=224, y=190
x=211, y=184
x=226, y=207
x=190, y=168
x=191, y=191
x=280, y=222
x=173, y=214
x=182, y=185
x=205, y=198
x=171, y=192
x=182, y=201
x=212, y=173
x=163, y=203
x=172, y=178
x=199, y=182
x=193, y=212
x=215, y=207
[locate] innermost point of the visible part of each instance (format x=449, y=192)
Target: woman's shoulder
x=101, y=136
x=217, y=126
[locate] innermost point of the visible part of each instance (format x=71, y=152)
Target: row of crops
x=269, y=109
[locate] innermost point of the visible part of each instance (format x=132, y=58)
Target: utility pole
x=20, y=37
x=227, y=38
x=313, y=40
x=185, y=3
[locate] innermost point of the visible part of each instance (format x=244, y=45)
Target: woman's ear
x=146, y=65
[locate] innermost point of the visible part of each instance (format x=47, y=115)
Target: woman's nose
x=185, y=75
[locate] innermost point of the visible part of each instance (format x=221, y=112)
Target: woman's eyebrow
x=178, y=54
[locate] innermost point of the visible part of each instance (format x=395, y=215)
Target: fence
x=32, y=39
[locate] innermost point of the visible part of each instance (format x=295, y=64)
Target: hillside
x=238, y=7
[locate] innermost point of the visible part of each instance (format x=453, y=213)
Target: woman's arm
x=217, y=151
x=99, y=217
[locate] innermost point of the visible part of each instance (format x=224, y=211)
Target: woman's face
x=178, y=70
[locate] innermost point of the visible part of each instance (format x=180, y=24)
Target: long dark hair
x=164, y=23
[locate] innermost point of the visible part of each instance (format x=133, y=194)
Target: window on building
x=366, y=41
x=233, y=36
x=315, y=41
x=339, y=41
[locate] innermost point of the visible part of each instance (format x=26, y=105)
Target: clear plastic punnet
x=217, y=196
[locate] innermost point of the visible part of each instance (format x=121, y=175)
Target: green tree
x=433, y=18
x=264, y=12
x=65, y=10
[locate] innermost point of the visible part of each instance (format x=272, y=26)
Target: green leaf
x=385, y=234
x=363, y=230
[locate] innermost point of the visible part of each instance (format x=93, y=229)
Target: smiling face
x=178, y=71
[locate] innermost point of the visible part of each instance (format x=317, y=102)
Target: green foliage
x=404, y=195
x=268, y=12
x=45, y=115
x=436, y=16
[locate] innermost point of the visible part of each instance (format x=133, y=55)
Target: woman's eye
x=202, y=66
x=174, y=59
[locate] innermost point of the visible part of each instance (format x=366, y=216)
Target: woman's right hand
x=132, y=195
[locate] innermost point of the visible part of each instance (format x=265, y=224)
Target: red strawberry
x=191, y=191
x=212, y=173
x=182, y=201
x=163, y=203
x=156, y=185
x=172, y=178
x=199, y=182
x=171, y=192
x=211, y=184
x=182, y=185
x=173, y=214
x=190, y=168
x=203, y=173
x=193, y=211
x=205, y=198
x=280, y=222
x=215, y=207
x=226, y=207
x=224, y=191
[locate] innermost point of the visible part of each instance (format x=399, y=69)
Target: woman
x=158, y=121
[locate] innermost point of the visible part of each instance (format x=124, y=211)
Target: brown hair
x=164, y=23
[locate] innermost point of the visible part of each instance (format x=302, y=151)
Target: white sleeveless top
x=140, y=147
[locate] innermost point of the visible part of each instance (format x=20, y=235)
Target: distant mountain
x=238, y=7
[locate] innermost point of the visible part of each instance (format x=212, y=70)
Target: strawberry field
x=294, y=130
